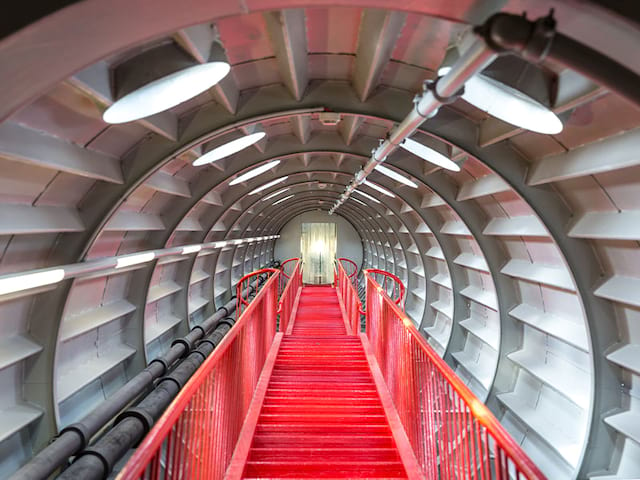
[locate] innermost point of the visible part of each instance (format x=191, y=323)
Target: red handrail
x=289, y=295
x=284, y=264
x=196, y=436
x=352, y=265
x=349, y=295
x=453, y=434
x=395, y=284
x=242, y=294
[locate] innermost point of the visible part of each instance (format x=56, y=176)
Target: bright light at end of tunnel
x=135, y=259
x=318, y=246
x=254, y=172
x=366, y=195
x=429, y=155
x=166, y=92
x=229, y=148
x=508, y=104
x=283, y=199
x=395, y=176
x=267, y=185
x=17, y=283
x=384, y=191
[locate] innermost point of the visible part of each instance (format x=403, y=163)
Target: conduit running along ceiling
x=522, y=268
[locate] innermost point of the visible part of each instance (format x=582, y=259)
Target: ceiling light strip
x=377, y=187
x=395, y=176
x=282, y=199
x=254, y=172
x=17, y=282
x=229, y=148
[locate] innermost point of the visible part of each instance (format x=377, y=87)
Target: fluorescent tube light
x=429, y=154
x=275, y=194
x=134, y=259
x=508, y=104
x=166, y=92
x=191, y=249
x=254, y=172
x=17, y=283
x=382, y=190
x=282, y=199
x=366, y=195
x=395, y=176
x=229, y=148
x=267, y=185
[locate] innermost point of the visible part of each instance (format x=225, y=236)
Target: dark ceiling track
x=182, y=360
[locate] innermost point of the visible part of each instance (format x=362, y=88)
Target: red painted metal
x=350, y=267
x=452, y=433
x=243, y=284
x=390, y=283
x=285, y=266
x=289, y=295
x=350, y=301
x=328, y=404
x=321, y=415
x=196, y=436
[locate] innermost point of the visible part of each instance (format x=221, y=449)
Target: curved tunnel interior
x=522, y=269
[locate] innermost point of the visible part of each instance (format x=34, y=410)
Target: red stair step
x=322, y=416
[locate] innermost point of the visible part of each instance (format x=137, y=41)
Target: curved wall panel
x=521, y=269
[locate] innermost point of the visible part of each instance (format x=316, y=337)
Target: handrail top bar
x=147, y=448
x=284, y=263
x=393, y=277
x=355, y=266
x=258, y=272
x=286, y=289
x=479, y=410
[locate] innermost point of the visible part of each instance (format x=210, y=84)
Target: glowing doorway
x=318, y=246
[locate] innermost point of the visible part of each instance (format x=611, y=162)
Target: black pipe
x=535, y=41
x=134, y=423
x=597, y=67
x=98, y=460
x=76, y=436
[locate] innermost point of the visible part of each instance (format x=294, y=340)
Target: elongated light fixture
x=508, y=104
x=358, y=201
x=26, y=281
x=191, y=249
x=366, y=195
x=429, y=154
x=254, y=172
x=377, y=187
x=268, y=185
x=229, y=148
x=283, y=199
x=275, y=194
x=135, y=259
x=395, y=176
x=166, y=92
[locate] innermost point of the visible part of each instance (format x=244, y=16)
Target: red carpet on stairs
x=322, y=416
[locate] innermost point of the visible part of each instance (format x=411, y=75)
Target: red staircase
x=319, y=399
x=322, y=416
